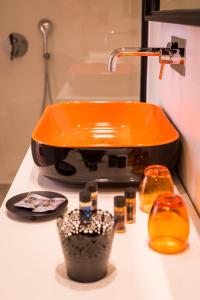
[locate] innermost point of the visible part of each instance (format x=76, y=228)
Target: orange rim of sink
x=104, y=124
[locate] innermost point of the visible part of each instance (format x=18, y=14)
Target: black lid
x=84, y=196
x=119, y=201
x=91, y=186
x=130, y=192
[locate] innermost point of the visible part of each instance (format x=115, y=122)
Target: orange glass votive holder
x=157, y=180
x=168, y=224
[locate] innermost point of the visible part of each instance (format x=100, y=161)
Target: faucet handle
x=162, y=66
x=19, y=45
x=172, y=55
x=165, y=58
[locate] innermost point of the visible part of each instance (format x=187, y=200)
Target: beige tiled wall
x=179, y=97
x=85, y=31
x=179, y=4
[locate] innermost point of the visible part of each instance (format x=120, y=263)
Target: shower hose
x=47, y=96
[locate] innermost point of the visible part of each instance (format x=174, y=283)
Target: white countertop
x=32, y=262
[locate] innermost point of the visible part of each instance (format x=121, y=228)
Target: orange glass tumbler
x=157, y=180
x=168, y=224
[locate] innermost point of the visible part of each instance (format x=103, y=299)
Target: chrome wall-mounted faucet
x=172, y=54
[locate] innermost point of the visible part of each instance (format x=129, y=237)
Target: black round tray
x=29, y=214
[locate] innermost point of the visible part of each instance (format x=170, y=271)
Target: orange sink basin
x=103, y=141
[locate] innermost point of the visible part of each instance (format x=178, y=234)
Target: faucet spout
x=130, y=51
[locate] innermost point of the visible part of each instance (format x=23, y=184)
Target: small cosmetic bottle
x=85, y=205
x=130, y=195
x=92, y=187
x=119, y=213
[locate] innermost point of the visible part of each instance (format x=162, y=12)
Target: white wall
x=180, y=98
x=85, y=32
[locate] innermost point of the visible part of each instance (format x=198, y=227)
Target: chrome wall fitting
x=19, y=45
x=172, y=54
x=45, y=26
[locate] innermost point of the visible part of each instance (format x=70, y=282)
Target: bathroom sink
x=103, y=141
